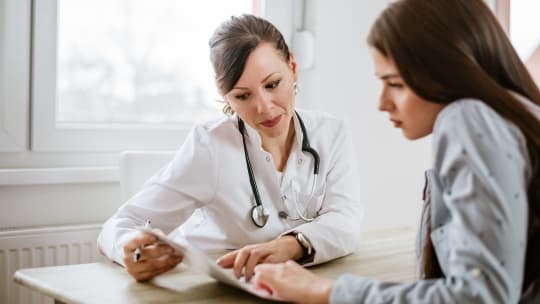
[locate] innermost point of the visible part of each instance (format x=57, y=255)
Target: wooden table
x=385, y=255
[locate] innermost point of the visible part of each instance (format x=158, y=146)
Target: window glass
x=524, y=25
x=138, y=61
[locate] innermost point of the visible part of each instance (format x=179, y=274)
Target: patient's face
x=264, y=95
x=409, y=112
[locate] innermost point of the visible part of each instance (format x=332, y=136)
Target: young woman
x=271, y=182
x=448, y=69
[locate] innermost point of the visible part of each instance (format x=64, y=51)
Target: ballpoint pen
x=137, y=254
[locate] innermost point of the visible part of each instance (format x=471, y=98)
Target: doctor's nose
x=264, y=103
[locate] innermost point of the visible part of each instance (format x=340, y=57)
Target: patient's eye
x=395, y=85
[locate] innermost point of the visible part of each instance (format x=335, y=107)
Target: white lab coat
x=203, y=196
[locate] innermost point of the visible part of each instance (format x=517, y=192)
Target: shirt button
x=476, y=272
x=267, y=158
x=284, y=197
x=300, y=161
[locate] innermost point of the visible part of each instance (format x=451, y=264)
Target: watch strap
x=308, y=252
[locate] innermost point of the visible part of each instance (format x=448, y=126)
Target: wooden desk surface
x=385, y=255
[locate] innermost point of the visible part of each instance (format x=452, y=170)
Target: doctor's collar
x=254, y=136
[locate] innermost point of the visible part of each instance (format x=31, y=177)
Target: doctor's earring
x=295, y=88
x=227, y=110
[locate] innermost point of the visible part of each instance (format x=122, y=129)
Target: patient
x=448, y=69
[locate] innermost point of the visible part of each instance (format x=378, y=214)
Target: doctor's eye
x=241, y=97
x=273, y=84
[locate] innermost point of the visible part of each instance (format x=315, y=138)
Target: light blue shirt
x=479, y=215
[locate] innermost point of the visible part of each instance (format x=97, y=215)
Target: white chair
x=138, y=166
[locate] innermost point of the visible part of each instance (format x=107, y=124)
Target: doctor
x=271, y=182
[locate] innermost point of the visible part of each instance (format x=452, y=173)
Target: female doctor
x=271, y=182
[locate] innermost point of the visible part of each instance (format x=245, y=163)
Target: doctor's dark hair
x=446, y=50
x=232, y=43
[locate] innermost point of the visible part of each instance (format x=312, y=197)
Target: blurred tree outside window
x=138, y=61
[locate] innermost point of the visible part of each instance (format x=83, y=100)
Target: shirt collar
x=255, y=138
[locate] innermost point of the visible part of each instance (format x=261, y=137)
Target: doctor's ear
x=293, y=65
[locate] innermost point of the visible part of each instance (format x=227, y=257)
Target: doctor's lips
x=271, y=122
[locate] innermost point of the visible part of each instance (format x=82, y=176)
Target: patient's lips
x=396, y=123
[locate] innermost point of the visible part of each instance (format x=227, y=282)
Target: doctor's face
x=409, y=112
x=264, y=95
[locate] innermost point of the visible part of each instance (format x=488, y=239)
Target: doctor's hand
x=292, y=283
x=155, y=258
x=244, y=260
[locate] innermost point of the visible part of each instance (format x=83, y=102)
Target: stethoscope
x=259, y=215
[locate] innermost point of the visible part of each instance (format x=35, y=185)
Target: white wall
x=342, y=82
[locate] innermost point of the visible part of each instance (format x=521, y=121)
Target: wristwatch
x=308, y=252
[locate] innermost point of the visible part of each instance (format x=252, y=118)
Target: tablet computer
x=198, y=261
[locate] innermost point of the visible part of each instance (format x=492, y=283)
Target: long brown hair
x=446, y=50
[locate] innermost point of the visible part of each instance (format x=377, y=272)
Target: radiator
x=38, y=247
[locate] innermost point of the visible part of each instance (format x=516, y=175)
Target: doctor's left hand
x=244, y=260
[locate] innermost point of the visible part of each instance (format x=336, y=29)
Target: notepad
x=198, y=261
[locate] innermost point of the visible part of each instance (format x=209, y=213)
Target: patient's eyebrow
x=389, y=76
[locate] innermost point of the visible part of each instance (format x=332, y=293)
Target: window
x=67, y=90
x=518, y=18
x=135, y=79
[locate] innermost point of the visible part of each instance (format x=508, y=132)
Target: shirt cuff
x=348, y=288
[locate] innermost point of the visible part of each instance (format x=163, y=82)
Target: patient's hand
x=292, y=282
x=155, y=258
x=244, y=260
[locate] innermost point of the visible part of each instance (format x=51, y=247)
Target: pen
x=137, y=254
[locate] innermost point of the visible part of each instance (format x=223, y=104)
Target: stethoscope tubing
x=306, y=147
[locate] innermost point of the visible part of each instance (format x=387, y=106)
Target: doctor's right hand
x=155, y=257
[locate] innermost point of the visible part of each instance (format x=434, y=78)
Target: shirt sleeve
x=336, y=231
x=482, y=167
x=168, y=198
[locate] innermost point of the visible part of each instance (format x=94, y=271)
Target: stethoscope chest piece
x=259, y=215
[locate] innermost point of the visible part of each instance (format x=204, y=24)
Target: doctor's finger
x=145, y=267
x=156, y=251
x=240, y=261
x=227, y=260
x=256, y=256
x=143, y=239
x=145, y=273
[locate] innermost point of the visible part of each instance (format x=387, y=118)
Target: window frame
x=15, y=17
x=502, y=11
